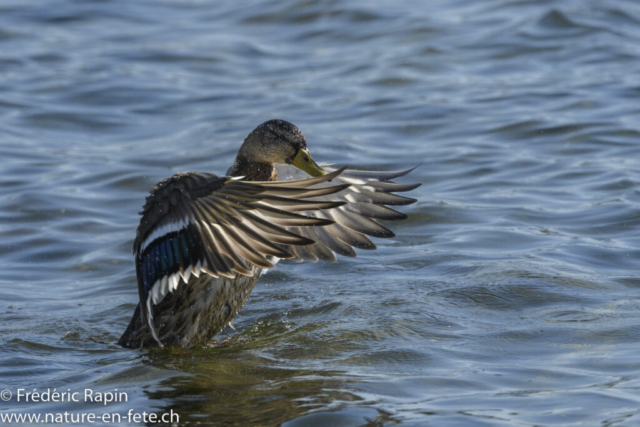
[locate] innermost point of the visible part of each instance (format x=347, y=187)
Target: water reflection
x=234, y=384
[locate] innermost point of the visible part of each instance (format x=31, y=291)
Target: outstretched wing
x=363, y=203
x=199, y=223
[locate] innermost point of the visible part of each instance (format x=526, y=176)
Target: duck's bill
x=303, y=161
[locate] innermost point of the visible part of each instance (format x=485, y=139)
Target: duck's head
x=278, y=141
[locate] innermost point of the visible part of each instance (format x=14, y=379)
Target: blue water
x=509, y=297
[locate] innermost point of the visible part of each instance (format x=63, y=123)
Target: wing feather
x=364, y=203
x=200, y=223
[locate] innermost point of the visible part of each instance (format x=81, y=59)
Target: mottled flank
x=193, y=315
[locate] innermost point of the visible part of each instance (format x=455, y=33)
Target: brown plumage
x=203, y=240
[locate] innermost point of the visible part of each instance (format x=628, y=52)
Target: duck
x=204, y=240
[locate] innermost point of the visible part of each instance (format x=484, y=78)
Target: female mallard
x=203, y=240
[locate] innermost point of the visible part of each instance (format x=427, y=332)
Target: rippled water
x=510, y=296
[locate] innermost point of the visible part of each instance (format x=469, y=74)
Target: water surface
x=509, y=297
